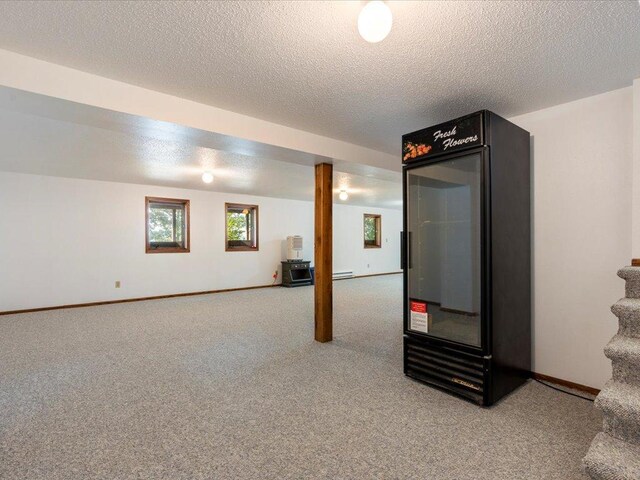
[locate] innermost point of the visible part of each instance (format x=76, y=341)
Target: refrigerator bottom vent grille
x=456, y=371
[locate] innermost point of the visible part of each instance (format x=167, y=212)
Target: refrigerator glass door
x=444, y=204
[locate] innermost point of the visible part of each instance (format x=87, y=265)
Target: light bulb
x=374, y=21
x=207, y=177
x=343, y=195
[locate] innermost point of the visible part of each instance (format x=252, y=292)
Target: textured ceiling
x=303, y=64
x=46, y=136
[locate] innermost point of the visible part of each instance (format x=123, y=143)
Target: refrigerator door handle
x=402, y=251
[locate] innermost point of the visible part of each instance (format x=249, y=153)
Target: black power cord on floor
x=564, y=391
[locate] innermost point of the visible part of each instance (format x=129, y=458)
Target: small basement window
x=372, y=230
x=167, y=229
x=241, y=228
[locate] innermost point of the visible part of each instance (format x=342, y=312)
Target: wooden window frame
x=378, y=220
x=187, y=225
x=242, y=248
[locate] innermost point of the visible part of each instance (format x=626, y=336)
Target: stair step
x=611, y=459
x=624, y=353
x=620, y=405
x=632, y=277
x=628, y=312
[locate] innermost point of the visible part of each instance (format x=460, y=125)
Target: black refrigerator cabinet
x=467, y=256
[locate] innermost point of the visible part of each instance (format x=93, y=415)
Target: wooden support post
x=324, y=253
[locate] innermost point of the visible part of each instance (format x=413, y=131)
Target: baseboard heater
x=343, y=274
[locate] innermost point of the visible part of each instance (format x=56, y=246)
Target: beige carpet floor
x=232, y=386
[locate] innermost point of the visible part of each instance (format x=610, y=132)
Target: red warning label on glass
x=419, y=318
x=418, y=307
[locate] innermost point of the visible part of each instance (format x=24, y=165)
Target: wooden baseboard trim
x=160, y=297
x=139, y=299
x=565, y=383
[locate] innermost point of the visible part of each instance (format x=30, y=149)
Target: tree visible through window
x=372, y=230
x=167, y=228
x=241, y=227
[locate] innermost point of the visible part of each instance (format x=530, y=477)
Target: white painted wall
x=67, y=241
x=348, y=241
x=582, y=188
x=635, y=246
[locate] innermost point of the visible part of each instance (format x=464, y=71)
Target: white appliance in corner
x=294, y=248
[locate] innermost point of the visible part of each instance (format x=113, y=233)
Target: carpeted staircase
x=615, y=452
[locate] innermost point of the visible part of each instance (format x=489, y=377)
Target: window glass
x=241, y=227
x=372, y=232
x=167, y=225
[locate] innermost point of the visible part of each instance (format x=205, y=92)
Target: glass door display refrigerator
x=467, y=256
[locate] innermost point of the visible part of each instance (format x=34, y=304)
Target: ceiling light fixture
x=374, y=21
x=343, y=195
x=207, y=177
